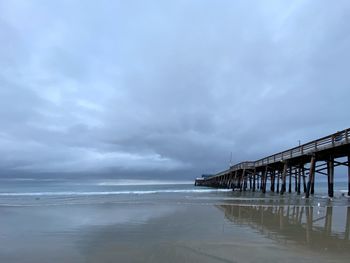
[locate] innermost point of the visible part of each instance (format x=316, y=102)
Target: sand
x=222, y=228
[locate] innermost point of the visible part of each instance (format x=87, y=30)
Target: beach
x=174, y=131
x=168, y=223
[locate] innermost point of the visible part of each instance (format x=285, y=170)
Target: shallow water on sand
x=174, y=226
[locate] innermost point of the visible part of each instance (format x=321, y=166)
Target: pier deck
x=298, y=164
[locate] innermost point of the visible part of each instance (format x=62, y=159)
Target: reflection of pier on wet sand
x=296, y=165
x=318, y=228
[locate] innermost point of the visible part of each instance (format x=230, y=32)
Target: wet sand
x=221, y=228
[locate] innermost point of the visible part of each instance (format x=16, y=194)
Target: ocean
x=48, y=192
x=106, y=220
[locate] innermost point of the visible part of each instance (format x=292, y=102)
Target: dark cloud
x=125, y=87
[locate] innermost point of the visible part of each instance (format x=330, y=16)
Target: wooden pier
x=297, y=166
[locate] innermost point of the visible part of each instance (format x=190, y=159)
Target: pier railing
x=330, y=141
x=243, y=165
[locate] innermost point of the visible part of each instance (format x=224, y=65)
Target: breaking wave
x=135, y=182
x=137, y=192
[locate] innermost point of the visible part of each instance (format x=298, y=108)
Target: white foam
x=123, y=182
x=114, y=192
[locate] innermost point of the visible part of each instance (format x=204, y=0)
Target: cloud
x=134, y=86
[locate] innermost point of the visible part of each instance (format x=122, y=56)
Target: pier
x=292, y=170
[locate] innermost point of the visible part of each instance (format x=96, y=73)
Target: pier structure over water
x=298, y=166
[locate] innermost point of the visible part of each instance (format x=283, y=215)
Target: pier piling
x=254, y=179
x=284, y=175
x=348, y=174
x=311, y=176
x=299, y=177
x=330, y=176
x=290, y=180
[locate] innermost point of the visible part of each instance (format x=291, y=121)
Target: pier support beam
x=312, y=191
x=231, y=180
x=296, y=180
x=330, y=176
x=311, y=176
x=241, y=186
x=299, y=177
x=290, y=180
x=278, y=182
x=264, y=180
x=254, y=179
x=273, y=174
x=263, y=174
x=304, y=180
x=240, y=182
x=235, y=184
x=349, y=175
x=284, y=175
x=266, y=177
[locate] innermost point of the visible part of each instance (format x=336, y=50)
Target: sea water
x=24, y=191
x=106, y=220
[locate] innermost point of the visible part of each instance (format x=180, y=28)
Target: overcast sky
x=129, y=88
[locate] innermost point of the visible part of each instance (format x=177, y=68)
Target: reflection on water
x=319, y=228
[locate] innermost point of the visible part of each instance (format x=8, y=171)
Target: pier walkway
x=298, y=164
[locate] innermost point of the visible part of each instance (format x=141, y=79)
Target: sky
x=166, y=88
